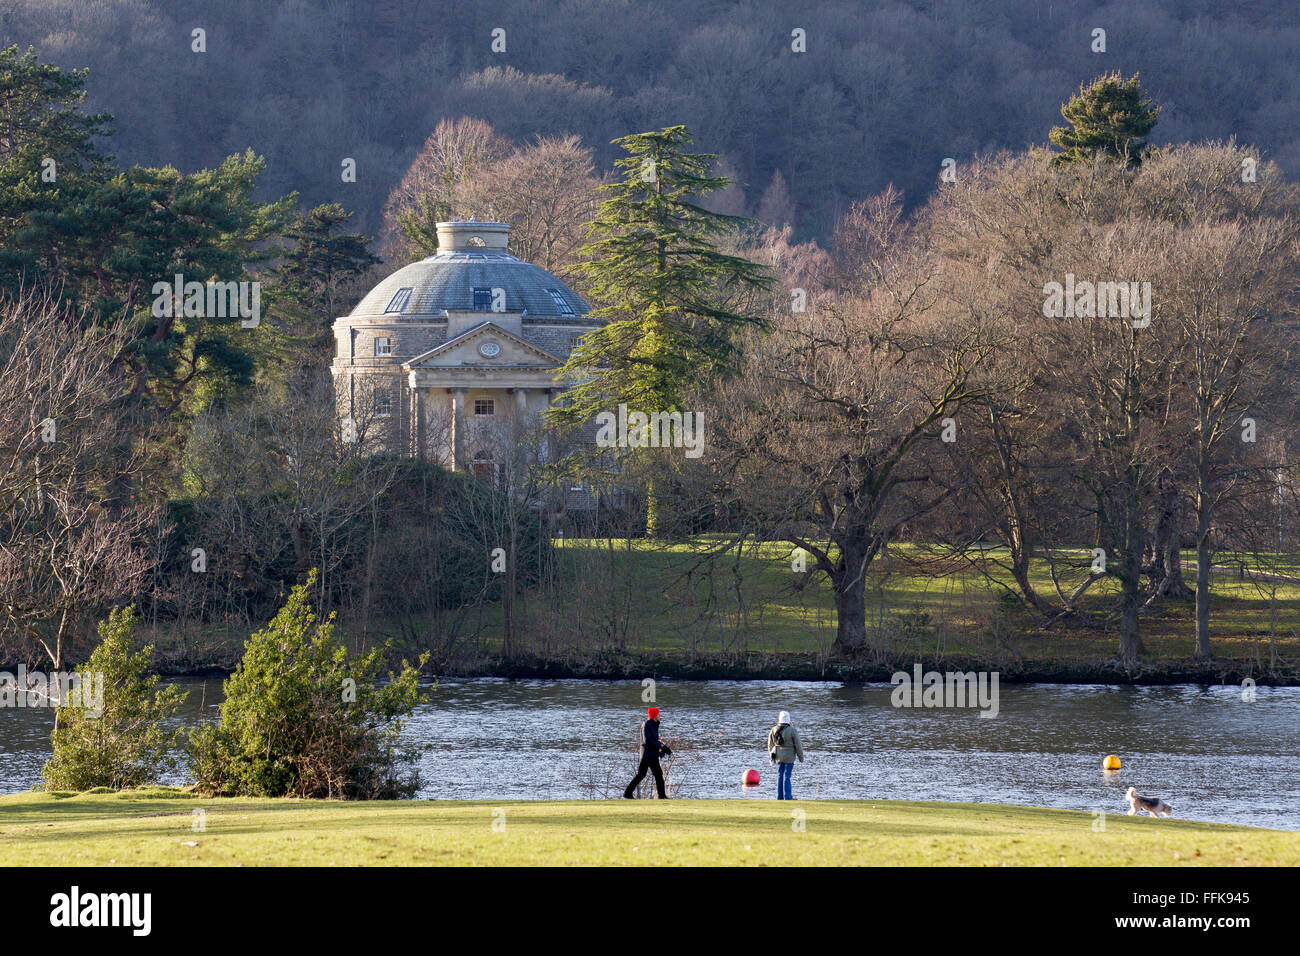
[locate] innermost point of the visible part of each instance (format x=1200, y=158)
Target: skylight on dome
x=561, y=302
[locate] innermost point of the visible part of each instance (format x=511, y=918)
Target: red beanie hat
x=654, y=713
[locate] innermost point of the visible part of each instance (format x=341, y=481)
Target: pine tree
x=126, y=740
x=325, y=260
x=40, y=114
x=302, y=718
x=100, y=237
x=1110, y=117
x=655, y=267
x=48, y=163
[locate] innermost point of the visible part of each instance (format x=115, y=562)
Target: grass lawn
x=155, y=827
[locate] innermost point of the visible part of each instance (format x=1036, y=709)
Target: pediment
x=463, y=351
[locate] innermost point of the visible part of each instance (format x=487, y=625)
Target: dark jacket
x=650, y=745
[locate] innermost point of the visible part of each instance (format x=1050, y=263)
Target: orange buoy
x=751, y=778
x=1110, y=763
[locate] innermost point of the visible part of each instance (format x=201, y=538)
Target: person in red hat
x=651, y=750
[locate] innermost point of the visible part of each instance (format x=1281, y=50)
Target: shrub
x=302, y=719
x=125, y=744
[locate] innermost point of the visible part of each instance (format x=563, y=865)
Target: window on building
x=383, y=345
x=482, y=298
x=383, y=406
x=561, y=302
x=399, y=300
x=485, y=406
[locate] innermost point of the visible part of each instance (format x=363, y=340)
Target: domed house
x=453, y=359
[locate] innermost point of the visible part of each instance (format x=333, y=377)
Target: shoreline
x=810, y=668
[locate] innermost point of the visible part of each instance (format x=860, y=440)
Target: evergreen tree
x=124, y=741
x=40, y=112
x=315, y=281
x=100, y=238
x=655, y=267
x=1110, y=117
x=302, y=719
x=317, y=273
x=48, y=160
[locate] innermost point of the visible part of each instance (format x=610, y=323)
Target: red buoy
x=751, y=778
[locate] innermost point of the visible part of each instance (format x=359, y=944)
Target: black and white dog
x=1154, y=806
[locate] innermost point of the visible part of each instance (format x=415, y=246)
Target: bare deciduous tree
x=436, y=187
x=72, y=542
x=548, y=192
x=829, y=433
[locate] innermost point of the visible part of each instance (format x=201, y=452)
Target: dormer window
x=482, y=298
x=561, y=302
x=398, y=301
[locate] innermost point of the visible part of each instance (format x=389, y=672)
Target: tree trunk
x=509, y=585
x=1175, y=585
x=653, y=509
x=850, y=614
x=1130, y=640
x=1014, y=523
x=1166, y=552
x=508, y=609
x=58, y=660
x=850, y=583
x=1021, y=553
x=1204, y=560
x=301, y=547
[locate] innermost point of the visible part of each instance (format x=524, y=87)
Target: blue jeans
x=784, y=771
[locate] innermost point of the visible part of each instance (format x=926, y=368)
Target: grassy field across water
x=161, y=827
x=671, y=602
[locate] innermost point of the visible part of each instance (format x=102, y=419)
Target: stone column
x=458, y=462
x=521, y=403
x=417, y=422
x=410, y=396
x=546, y=438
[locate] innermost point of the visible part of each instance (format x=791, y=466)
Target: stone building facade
x=453, y=358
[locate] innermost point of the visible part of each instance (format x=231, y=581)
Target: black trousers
x=648, y=762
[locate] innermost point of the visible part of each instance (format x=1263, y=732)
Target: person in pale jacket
x=783, y=745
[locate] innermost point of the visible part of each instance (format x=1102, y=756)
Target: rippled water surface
x=1211, y=754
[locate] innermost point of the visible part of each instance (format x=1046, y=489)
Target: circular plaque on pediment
x=489, y=350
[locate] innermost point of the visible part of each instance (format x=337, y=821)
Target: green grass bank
x=637, y=608
x=167, y=827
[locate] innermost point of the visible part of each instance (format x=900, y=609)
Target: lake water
x=1211, y=754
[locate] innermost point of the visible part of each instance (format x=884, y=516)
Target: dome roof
x=466, y=262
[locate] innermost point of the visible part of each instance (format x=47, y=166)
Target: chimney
x=473, y=236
